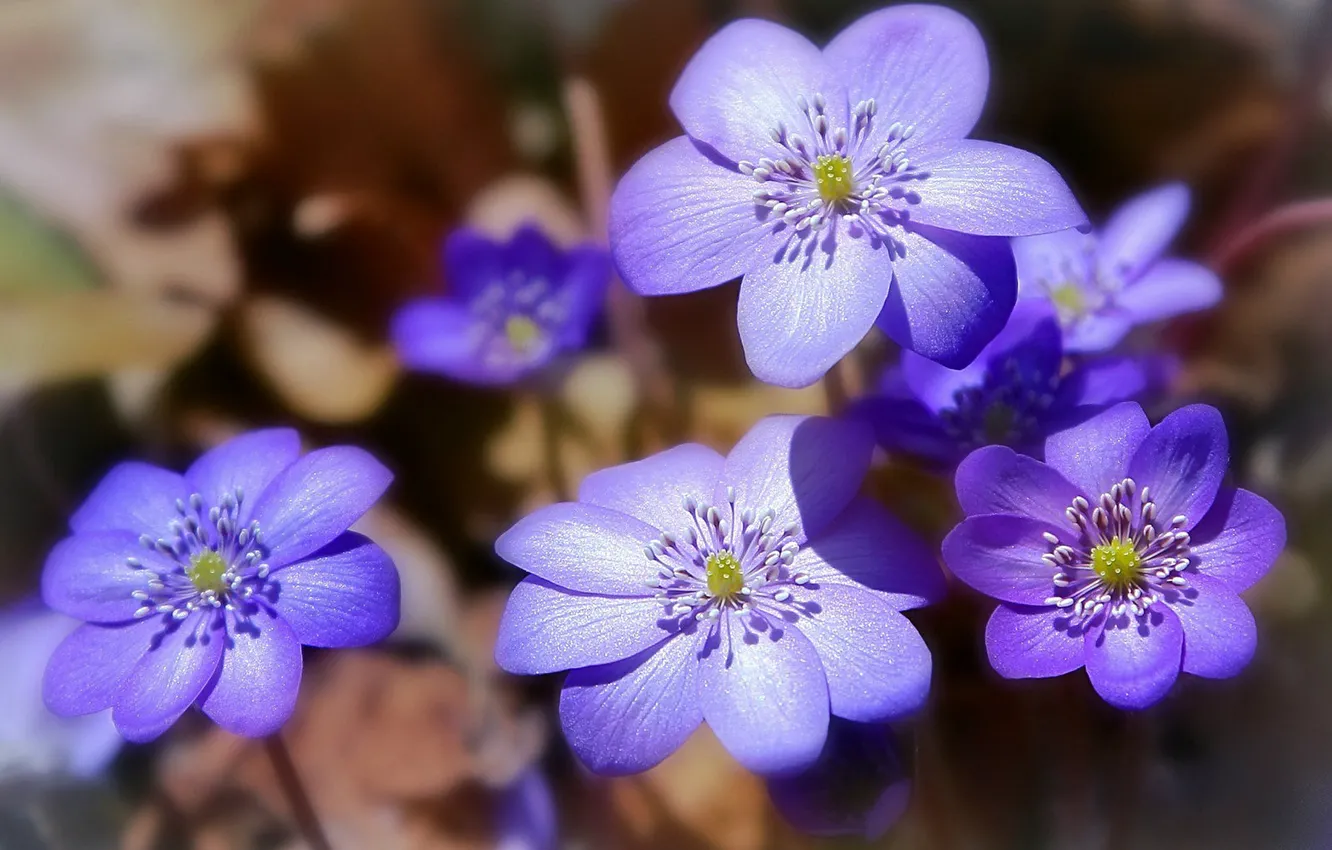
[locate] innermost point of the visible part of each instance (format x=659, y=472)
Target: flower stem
x=294, y=790
x=1282, y=221
x=550, y=447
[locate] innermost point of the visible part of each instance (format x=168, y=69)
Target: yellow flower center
x=832, y=174
x=725, y=579
x=1117, y=563
x=522, y=333
x=1069, y=299
x=206, y=572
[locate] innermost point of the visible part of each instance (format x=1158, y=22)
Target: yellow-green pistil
x=725, y=579
x=1117, y=563
x=1069, y=299
x=522, y=333
x=206, y=572
x=832, y=174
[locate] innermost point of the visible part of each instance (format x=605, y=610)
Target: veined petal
x=998, y=480
x=806, y=469
x=255, y=690
x=88, y=576
x=247, y=463
x=168, y=678
x=627, y=716
x=1220, y=635
x=765, y=695
x=1133, y=661
x=134, y=497
x=346, y=594
x=547, y=628
x=1183, y=460
x=744, y=81
x=799, y=315
x=877, y=665
x=951, y=294
x=653, y=489
x=89, y=667
x=582, y=547
x=1026, y=642
x=1095, y=454
x=681, y=221
x=1238, y=540
x=988, y=189
x=1000, y=555
x=1170, y=288
x=924, y=66
x=1139, y=231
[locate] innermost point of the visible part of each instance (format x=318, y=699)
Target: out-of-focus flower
x=526, y=815
x=32, y=740
x=857, y=787
x=1105, y=283
x=512, y=307
x=201, y=588
x=756, y=592
x=1124, y=554
x=840, y=185
x=1013, y=394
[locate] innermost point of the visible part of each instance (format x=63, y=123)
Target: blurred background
x=209, y=211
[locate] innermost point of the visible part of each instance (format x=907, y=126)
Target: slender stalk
x=550, y=447
x=1280, y=222
x=297, y=798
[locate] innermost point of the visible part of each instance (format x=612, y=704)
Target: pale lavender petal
x=1170, y=288
x=168, y=678
x=681, y=221
x=1000, y=555
x=316, y=499
x=951, y=294
x=806, y=469
x=1220, y=634
x=1183, y=461
x=1050, y=260
x=1095, y=454
x=764, y=693
x=924, y=66
x=1097, y=331
x=998, y=480
x=134, y=497
x=255, y=691
x=869, y=549
x=88, y=576
x=988, y=189
x=744, y=81
x=89, y=667
x=1238, y=540
x=877, y=665
x=799, y=316
x=1133, y=661
x=1025, y=642
x=582, y=547
x=1141, y=228
x=547, y=628
x=626, y=717
x=247, y=463
x=653, y=489
x=439, y=335
x=907, y=427
x=346, y=594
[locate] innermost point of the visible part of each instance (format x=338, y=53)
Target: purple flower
x=201, y=588
x=32, y=740
x=512, y=307
x=1105, y=283
x=840, y=185
x=1013, y=394
x=1122, y=552
x=526, y=814
x=757, y=592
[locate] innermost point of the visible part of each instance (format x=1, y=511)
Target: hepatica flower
x=756, y=592
x=840, y=185
x=511, y=308
x=1105, y=283
x=201, y=588
x=1014, y=393
x=1122, y=553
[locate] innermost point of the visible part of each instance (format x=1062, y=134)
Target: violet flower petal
x=628, y=716
x=88, y=576
x=134, y=497
x=1097, y=332
x=1183, y=460
x=998, y=480
x=89, y=667
x=653, y=489
x=526, y=816
x=1133, y=661
x=1220, y=635
x=1105, y=381
x=248, y=462
x=1094, y=455
x=546, y=628
x=316, y=499
x=346, y=594
x=989, y=189
x=1170, y=288
x=1000, y=555
x=256, y=687
x=1141, y=229
x=905, y=426
x=472, y=261
x=1027, y=642
x=876, y=664
x=762, y=690
x=582, y=547
x=439, y=335
x=924, y=66
x=168, y=678
x=951, y=294
x=1238, y=540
